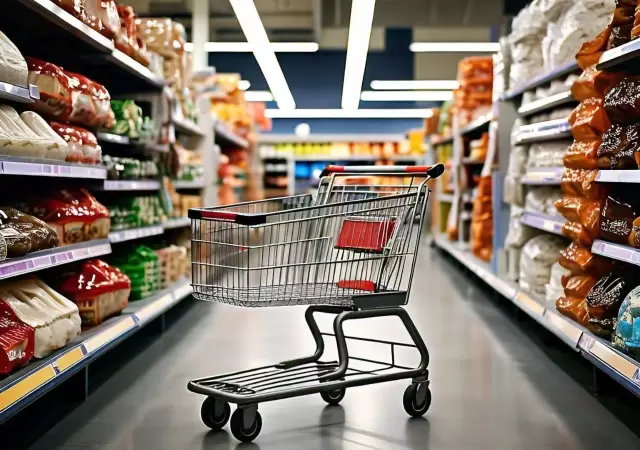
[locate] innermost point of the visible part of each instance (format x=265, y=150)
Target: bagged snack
x=99, y=290
x=584, y=87
x=620, y=35
x=583, y=211
x=573, y=307
x=581, y=182
x=580, y=261
x=616, y=220
x=576, y=232
x=55, y=94
x=622, y=102
x=582, y=155
x=588, y=120
x=591, y=51
x=634, y=236
x=610, y=152
x=579, y=285
x=13, y=67
x=16, y=340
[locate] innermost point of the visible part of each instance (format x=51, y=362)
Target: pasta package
x=582, y=155
x=580, y=261
x=588, y=120
x=583, y=211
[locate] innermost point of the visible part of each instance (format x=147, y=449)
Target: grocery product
x=129, y=168
x=538, y=255
x=554, y=289
x=616, y=220
x=588, y=120
x=99, y=290
x=547, y=154
x=57, y=147
x=581, y=183
x=576, y=232
x=53, y=84
x=74, y=214
x=24, y=233
x=82, y=144
x=173, y=264
x=542, y=200
x=16, y=340
x=133, y=212
x=143, y=269
x=626, y=336
x=580, y=261
x=582, y=210
x=13, y=67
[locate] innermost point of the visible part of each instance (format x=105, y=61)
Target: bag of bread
x=588, y=120
x=40, y=236
x=55, y=94
x=13, y=67
x=83, y=110
x=580, y=261
x=579, y=285
x=73, y=138
x=582, y=155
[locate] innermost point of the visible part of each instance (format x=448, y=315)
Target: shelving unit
x=18, y=94
x=544, y=131
x=37, y=378
x=131, y=185
x=543, y=176
x=545, y=104
x=50, y=168
x=542, y=79
x=225, y=137
x=135, y=233
x=189, y=184
x=187, y=127
x=552, y=224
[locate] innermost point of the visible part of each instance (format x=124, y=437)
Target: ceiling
x=303, y=20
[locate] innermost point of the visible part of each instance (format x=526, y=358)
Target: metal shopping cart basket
x=350, y=250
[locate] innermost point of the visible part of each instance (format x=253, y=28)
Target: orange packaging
x=582, y=210
x=582, y=155
x=588, y=120
x=579, y=285
x=575, y=308
x=591, y=51
x=576, y=232
x=580, y=261
x=581, y=183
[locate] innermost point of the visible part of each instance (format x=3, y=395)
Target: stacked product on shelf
x=142, y=267
x=99, y=290
x=474, y=96
x=129, y=168
x=23, y=233
x=190, y=164
x=173, y=264
x=136, y=211
x=129, y=121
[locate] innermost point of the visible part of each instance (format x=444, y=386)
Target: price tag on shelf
x=42, y=261
x=613, y=359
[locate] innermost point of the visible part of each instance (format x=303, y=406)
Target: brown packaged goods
x=582, y=155
x=623, y=15
x=576, y=232
x=574, y=308
x=580, y=261
x=588, y=120
x=582, y=210
x=579, y=285
x=620, y=34
x=584, y=87
x=622, y=103
x=604, y=81
x=581, y=183
x=591, y=51
x=618, y=148
x=616, y=220
x=24, y=233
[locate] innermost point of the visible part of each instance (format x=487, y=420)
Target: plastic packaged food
x=536, y=259
x=622, y=102
x=13, y=67
x=584, y=87
x=574, y=308
x=55, y=94
x=157, y=35
x=99, y=290
x=634, y=236
x=16, y=340
x=616, y=220
x=580, y=261
x=579, y=285
x=59, y=148
x=588, y=120
x=591, y=51
x=143, y=269
x=582, y=155
x=576, y=232
x=24, y=233
x=626, y=336
x=108, y=15
x=74, y=214
x=554, y=289
x=582, y=210
x=581, y=182
x=82, y=108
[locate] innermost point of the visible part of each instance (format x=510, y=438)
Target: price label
x=528, y=304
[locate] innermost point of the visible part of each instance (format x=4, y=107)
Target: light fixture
x=243, y=85
x=357, y=48
x=348, y=113
x=406, y=96
x=245, y=47
x=258, y=96
x=408, y=85
x=455, y=47
x=256, y=35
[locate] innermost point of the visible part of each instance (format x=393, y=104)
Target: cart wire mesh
x=358, y=236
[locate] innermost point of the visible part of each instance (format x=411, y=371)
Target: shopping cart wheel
x=333, y=397
x=244, y=427
x=215, y=413
x=417, y=399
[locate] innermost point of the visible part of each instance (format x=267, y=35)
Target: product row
x=337, y=150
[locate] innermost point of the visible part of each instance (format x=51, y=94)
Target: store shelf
x=544, y=131
x=600, y=352
x=135, y=68
x=552, y=224
x=131, y=185
x=619, y=55
x=545, y=104
x=110, y=138
x=477, y=124
x=180, y=222
x=113, y=138
x=618, y=176
x=227, y=138
x=45, y=259
x=616, y=251
x=329, y=138
x=542, y=79
x=116, y=237
x=335, y=158
x=187, y=127
x=40, y=376
x=19, y=94
x=189, y=184
x=543, y=176
x=50, y=168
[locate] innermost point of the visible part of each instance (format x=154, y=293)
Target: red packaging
x=55, y=93
x=99, y=290
x=83, y=110
x=83, y=144
x=17, y=340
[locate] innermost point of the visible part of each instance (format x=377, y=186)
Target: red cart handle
x=433, y=171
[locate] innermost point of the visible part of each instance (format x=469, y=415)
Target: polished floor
x=493, y=387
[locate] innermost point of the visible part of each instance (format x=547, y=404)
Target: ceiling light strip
x=357, y=48
x=348, y=114
x=408, y=85
x=406, y=96
x=256, y=35
x=455, y=47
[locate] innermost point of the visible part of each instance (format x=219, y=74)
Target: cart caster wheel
x=417, y=399
x=333, y=397
x=242, y=431
x=215, y=418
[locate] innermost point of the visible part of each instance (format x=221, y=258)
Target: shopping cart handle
x=433, y=171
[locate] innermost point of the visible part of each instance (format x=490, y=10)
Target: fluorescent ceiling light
x=408, y=85
x=405, y=96
x=357, y=49
x=258, y=96
x=455, y=47
x=245, y=47
x=256, y=35
x=243, y=85
x=348, y=113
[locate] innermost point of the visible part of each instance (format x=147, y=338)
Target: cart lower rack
x=350, y=251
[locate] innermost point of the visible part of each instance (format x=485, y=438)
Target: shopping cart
x=343, y=252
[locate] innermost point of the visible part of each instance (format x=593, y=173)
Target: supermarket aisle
x=492, y=388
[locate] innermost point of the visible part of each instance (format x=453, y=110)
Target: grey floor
x=493, y=388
